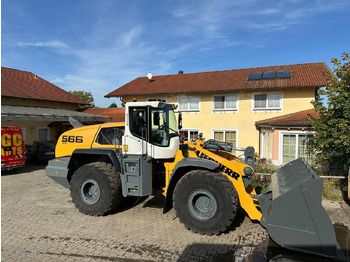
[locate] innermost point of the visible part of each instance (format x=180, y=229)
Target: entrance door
x=289, y=148
x=296, y=146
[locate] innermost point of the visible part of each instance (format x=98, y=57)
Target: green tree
x=332, y=127
x=85, y=96
x=113, y=105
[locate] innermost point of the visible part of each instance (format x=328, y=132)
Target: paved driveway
x=40, y=223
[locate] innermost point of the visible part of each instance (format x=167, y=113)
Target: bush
x=259, y=186
x=264, y=168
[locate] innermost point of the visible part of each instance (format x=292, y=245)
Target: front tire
x=96, y=189
x=205, y=202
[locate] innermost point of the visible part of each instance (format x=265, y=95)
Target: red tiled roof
x=302, y=75
x=117, y=114
x=22, y=84
x=294, y=119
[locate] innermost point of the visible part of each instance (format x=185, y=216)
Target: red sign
x=12, y=147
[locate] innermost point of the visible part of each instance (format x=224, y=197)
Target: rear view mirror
x=180, y=121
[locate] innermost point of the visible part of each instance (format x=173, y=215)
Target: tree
x=113, y=105
x=85, y=96
x=332, y=127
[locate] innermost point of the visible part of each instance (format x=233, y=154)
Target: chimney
x=181, y=72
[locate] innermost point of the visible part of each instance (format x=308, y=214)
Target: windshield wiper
x=165, y=124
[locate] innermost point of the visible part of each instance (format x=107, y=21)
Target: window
x=289, y=148
x=189, y=134
x=110, y=136
x=295, y=146
x=225, y=102
x=43, y=134
x=267, y=101
x=163, y=126
x=267, y=145
x=138, y=122
x=189, y=103
x=303, y=147
x=229, y=136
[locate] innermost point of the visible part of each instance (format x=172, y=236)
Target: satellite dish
x=149, y=76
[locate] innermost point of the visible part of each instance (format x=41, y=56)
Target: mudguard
x=61, y=169
x=182, y=167
x=94, y=153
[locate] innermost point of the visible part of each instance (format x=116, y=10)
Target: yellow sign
x=125, y=148
x=13, y=143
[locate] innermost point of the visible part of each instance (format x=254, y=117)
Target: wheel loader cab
x=151, y=129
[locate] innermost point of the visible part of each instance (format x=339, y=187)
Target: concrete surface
x=40, y=223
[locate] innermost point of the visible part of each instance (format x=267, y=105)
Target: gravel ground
x=40, y=223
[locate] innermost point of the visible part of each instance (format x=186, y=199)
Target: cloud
x=132, y=35
x=268, y=27
x=268, y=11
x=122, y=45
x=224, y=18
x=50, y=44
x=306, y=10
x=100, y=69
x=114, y=55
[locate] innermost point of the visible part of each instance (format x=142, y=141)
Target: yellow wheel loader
x=202, y=180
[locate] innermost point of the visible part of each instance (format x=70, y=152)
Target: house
x=225, y=105
x=40, y=108
x=285, y=138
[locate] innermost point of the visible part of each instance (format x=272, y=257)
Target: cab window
x=138, y=122
x=163, y=126
x=110, y=136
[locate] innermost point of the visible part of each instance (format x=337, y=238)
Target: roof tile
x=294, y=119
x=22, y=84
x=117, y=114
x=302, y=75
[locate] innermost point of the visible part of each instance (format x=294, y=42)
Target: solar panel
x=283, y=74
x=255, y=76
x=269, y=75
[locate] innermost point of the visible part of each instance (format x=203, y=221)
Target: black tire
x=205, y=202
x=96, y=188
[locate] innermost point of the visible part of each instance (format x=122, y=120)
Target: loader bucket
x=292, y=212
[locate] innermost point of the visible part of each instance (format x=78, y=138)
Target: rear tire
x=205, y=202
x=96, y=188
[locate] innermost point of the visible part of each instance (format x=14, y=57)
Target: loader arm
x=233, y=168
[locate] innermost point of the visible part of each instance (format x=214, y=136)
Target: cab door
x=136, y=131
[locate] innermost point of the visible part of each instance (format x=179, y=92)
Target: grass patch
x=334, y=189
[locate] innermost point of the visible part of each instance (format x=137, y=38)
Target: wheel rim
x=202, y=204
x=90, y=191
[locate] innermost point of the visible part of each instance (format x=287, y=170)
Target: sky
x=98, y=46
